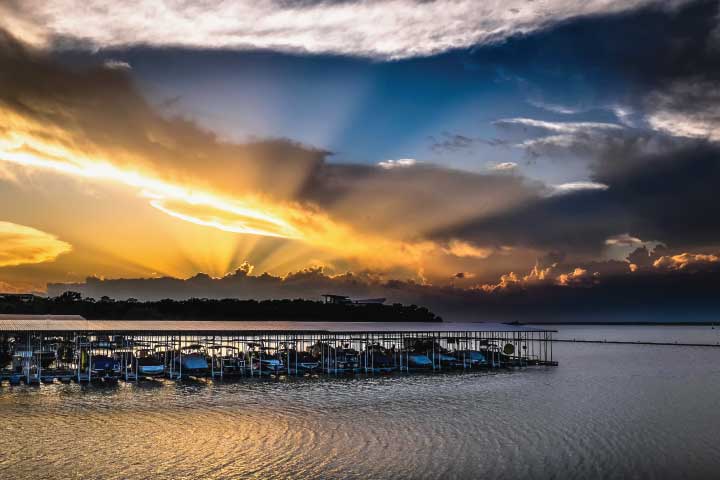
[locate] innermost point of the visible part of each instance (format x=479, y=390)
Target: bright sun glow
x=246, y=218
x=244, y=214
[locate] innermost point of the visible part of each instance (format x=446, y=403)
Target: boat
x=148, y=365
x=378, y=359
x=227, y=360
x=497, y=356
x=262, y=361
x=417, y=360
x=435, y=353
x=105, y=366
x=447, y=360
x=336, y=360
x=471, y=358
x=192, y=360
x=24, y=368
x=300, y=362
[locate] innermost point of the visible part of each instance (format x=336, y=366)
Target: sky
x=422, y=150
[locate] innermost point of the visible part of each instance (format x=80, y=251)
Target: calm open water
x=608, y=411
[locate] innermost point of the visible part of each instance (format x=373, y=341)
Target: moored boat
x=148, y=365
x=340, y=360
x=192, y=360
x=300, y=362
x=227, y=360
x=105, y=366
x=378, y=359
x=471, y=358
x=418, y=360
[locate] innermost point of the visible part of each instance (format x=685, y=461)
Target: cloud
x=624, y=115
x=686, y=261
x=459, y=248
x=417, y=199
x=557, y=138
x=504, y=166
x=455, y=142
x=464, y=275
x=578, y=277
x=659, y=162
x=572, y=187
x=553, y=107
x=117, y=64
x=379, y=216
x=387, y=29
x=22, y=287
x=546, y=293
x=22, y=245
x=623, y=240
x=403, y=162
x=648, y=185
x=666, y=259
x=607, y=63
x=687, y=108
x=52, y=122
x=543, y=275
x=451, y=142
x=542, y=126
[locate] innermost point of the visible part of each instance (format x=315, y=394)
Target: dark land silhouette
x=73, y=303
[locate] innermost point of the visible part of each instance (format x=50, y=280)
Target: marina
x=68, y=348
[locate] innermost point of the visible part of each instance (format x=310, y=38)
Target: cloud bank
x=551, y=290
x=388, y=29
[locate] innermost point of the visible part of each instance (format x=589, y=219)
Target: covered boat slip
x=44, y=348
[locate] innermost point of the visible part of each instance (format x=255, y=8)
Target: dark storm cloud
x=578, y=222
x=651, y=46
x=659, y=188
x=662, y=65
x=414, y=197
x=670, y=194
x=650, y=60
x=99, y=110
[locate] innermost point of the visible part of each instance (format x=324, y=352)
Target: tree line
x=73, y=303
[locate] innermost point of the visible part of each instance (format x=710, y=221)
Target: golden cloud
x=20, y=245
x=461, y=248
x=684, y=261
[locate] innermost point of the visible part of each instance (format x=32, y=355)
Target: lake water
x=608, y=411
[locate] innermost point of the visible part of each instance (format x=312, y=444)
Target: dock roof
x=76, y=323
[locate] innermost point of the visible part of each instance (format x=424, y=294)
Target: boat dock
x=48, y=349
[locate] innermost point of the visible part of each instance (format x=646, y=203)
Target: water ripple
x=606, y=412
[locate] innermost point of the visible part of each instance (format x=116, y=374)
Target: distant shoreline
x=638, y=342
x=649, y=324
